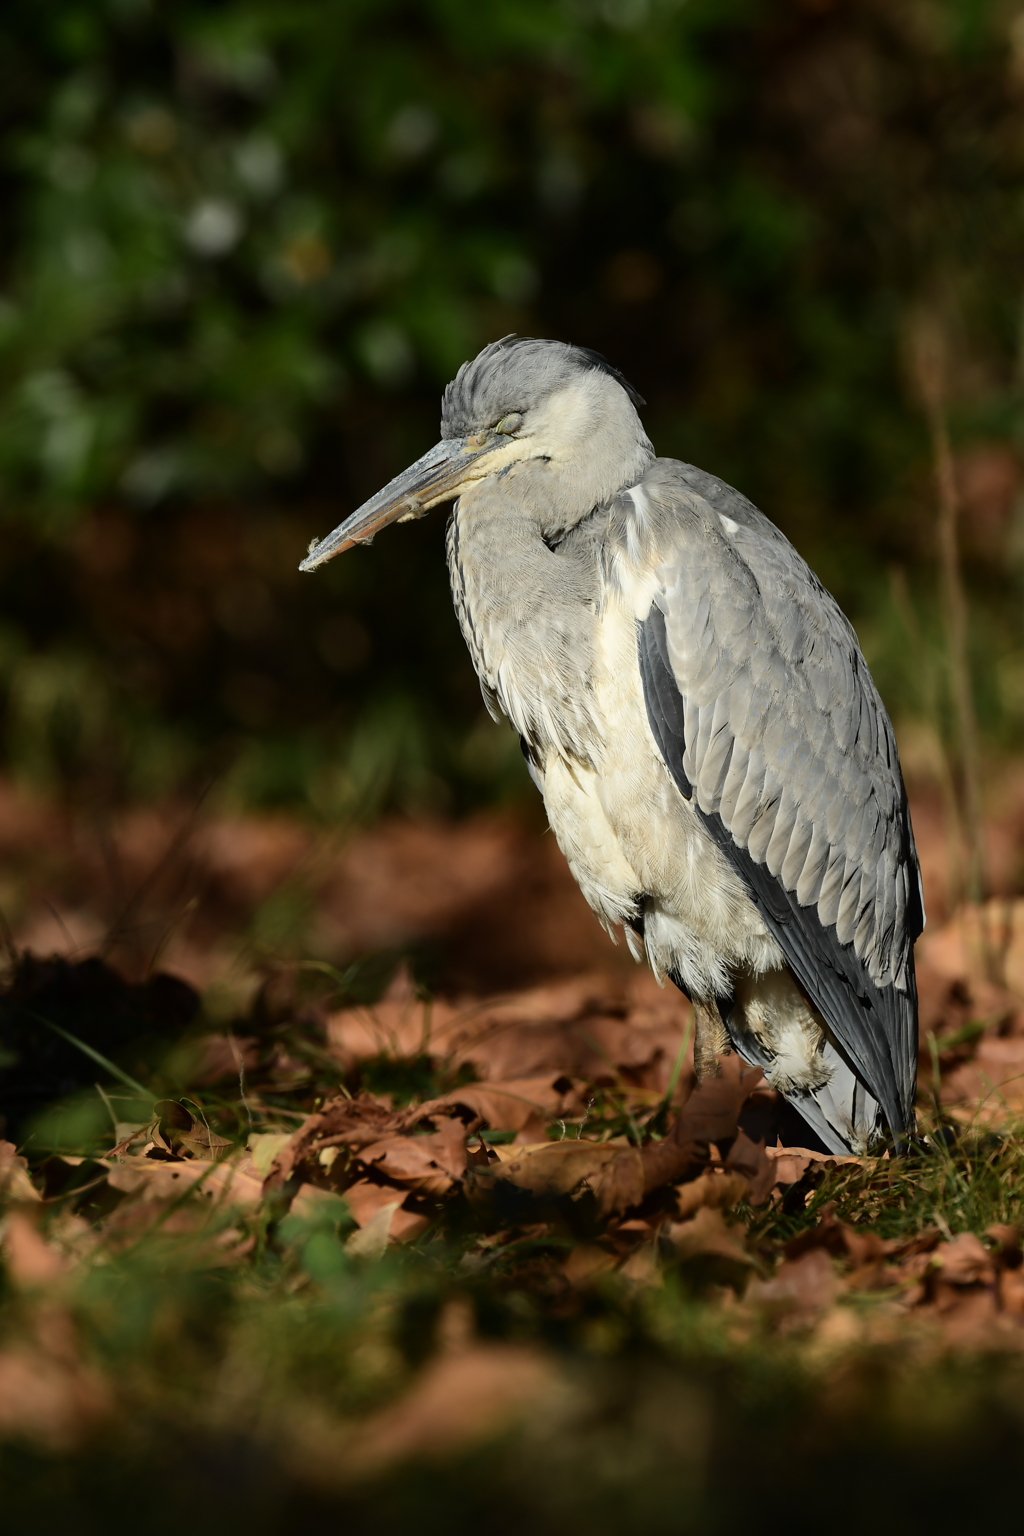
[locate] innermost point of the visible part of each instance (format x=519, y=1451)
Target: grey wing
x=765, y=714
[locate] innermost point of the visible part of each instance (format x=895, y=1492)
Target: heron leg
x=710, y=1039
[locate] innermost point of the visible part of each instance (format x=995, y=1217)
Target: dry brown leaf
x=952, y=951
x=619, y=1184
x=369, y=1242
x=711, y=1113
x=225, y=1182
x=642, y=1267
x=993, y=1079
x=29, y=1259
x=309, y=1201
x=800, y=1287
x=389, y=1223
x=621, y=1176
x=715, y=1189
x=460, y=1399
x=791, y=1163
x=965, y=1261
x=1011, y=1292
x=15, y=1183
x=840, y=1240
x=749, y=1159
x=865, y=1252
x=514, y=1104
x=552, y=1169
x=430, y=1163
x=555, y=1170
x=408, y=1160
x=178, y=1131
x=707, y=1235
x=398, y=1028
x=264, y=1147
x=1008, y=1247
x=365, y=1198
x=343, y=1122
x=406, y=1226
x=591, y=1027
x=50, y=1399
x=216, y=1057
x=586, y=1262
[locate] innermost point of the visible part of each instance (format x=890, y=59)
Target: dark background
x=244, y=244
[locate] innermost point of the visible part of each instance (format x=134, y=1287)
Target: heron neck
x=527, y=614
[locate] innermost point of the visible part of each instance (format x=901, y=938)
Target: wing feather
x=766, y=716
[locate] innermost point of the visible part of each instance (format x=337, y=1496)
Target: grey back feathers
x=765, y=713
x=786, y=737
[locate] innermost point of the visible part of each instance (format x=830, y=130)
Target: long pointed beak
x=435, y=478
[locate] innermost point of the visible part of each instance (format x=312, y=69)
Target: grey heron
x=716, y=763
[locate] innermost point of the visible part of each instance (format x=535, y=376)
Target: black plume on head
x=511, y=375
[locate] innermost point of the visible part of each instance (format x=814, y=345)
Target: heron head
x=519, y=401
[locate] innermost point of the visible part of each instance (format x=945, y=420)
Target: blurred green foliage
x=244, y=243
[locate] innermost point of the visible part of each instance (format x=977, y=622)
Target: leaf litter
x=457, y=1198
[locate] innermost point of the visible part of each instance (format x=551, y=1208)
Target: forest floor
x=358, y=1177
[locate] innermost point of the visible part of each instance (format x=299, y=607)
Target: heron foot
x=710, y=1039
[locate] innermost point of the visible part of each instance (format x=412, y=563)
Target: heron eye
x=510, y=424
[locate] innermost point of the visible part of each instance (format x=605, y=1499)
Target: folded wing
x=767, y=718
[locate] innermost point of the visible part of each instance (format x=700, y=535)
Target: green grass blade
x=92, y=1053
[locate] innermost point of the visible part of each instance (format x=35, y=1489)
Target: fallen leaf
x=707, y=1235
x=586, y=1262
x=431, y=1163
x=711, y=1113
x=553, y=1169
x=216, y=1057
x=15, y=1183
x=264, y=1147
x=364, y=1199
x=52, y=1400
x=839, y=1239
x=407, y=1225
x=642, y=1267
x=951, y=950
x=179, y=1131
x=1008, y=1244
x=791, y=1163
x=30, y=1260
x=800, y=1287
x=965, y=1261
x=511, y=1105
x=1011, y=1292
x=402, y=1028
x=595, y=1028
x=459, y=1400
x=314, y=1204
x=716, y=1189
x=369, y=1242
x=619, y=1184
x=621, y=1176
x=343, y=1122
x=994, y=1078
x=750, y=1160
x=224, y=1182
